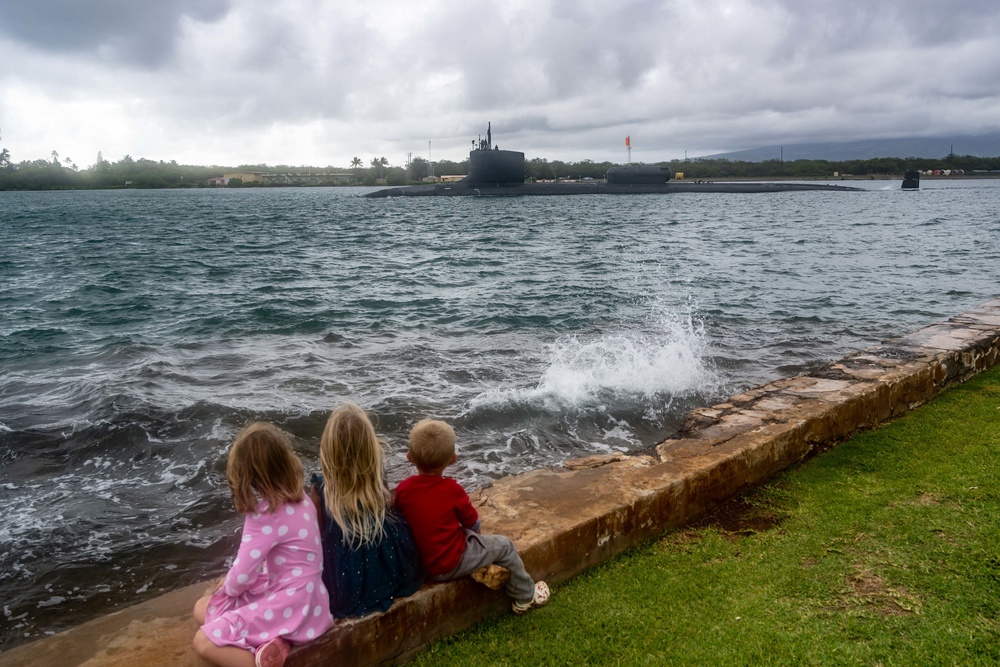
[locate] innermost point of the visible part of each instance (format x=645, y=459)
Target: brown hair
x=432, y=444
x=353, y=462
x=262, y=466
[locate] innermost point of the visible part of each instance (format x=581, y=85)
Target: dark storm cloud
x=267, y=80
x=129, y=31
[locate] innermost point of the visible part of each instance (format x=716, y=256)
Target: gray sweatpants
x=483, y=550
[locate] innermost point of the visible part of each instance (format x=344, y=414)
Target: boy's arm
x=467, y=514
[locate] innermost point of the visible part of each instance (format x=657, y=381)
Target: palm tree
x=355, y=163
x=378, y=163
x=4, y=158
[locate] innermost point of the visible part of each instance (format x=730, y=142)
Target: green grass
x=883, y=551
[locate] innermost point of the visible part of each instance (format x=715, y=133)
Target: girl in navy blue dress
x=369, y=558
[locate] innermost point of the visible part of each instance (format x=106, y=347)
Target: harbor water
x=141, y=330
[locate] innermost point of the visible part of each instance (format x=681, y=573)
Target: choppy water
x=142, y=329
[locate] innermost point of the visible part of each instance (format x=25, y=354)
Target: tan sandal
x=492, y=576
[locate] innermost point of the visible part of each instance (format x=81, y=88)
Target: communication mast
x=628, y=148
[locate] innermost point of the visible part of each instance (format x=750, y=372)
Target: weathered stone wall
x=567, y=519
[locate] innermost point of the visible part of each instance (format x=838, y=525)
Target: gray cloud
x=129, y=32
x=312, y=81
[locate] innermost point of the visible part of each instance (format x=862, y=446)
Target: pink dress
x=275, y=586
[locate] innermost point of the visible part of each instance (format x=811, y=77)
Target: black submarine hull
x=461, y=189
x=497, y=173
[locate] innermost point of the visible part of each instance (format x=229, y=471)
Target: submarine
x=500, y=173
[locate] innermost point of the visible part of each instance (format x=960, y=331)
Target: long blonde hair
x=262, y=464
x=353, y=461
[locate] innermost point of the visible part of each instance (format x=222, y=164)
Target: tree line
x=63, y=173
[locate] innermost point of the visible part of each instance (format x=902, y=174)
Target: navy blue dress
x=365, y=579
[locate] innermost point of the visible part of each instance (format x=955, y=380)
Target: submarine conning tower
x=490, y=165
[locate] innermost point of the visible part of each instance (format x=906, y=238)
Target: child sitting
x=274, y=591
x=369, y=558
x=446, y=526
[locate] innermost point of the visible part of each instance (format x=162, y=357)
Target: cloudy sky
x=311, y=82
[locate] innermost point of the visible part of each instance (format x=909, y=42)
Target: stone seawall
x=567, y=519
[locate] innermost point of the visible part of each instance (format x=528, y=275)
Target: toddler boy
x=445, y=525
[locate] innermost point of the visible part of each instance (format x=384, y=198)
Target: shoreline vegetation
x=882, y=550
x=63, y=173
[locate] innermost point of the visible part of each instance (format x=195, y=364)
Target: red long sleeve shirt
x=438, y=510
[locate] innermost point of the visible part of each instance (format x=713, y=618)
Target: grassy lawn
x=884, y=550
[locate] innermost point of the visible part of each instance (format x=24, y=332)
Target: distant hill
x=983, y=145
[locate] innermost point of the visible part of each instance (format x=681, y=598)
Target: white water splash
x=628, y=365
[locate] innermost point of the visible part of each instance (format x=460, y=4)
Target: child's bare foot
x=492, y=576
x=540, y=598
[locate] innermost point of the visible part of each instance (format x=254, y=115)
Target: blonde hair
x=262, y=466
x=353, y=461
x=432, y=444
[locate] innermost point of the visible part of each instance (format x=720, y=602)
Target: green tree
x=355, y=165
x=4, y=159
x=418, y=169
x=378, y=165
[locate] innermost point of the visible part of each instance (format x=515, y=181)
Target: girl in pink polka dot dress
x=273, y=594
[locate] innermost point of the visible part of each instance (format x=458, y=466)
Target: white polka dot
x=255, y=553
x=247, y=538
x=292, y=547
x=288, y=612
x=253, y=605
x=291, y=592
x=243, y=578
x=317, y=611
x=268, y=614
x=297, y=572
x=266, y=530
x=310, y=556
x=255, y=515
x=282, y=530
x=317, y=540
x=303, y=533
x=211, y=608
x=217, y=633
x=279, y=560
x=264, y=635
x=236, y=561
x=271, y=597
x=305, y=610
x=244, y=633
x=289, y=510
x=305, y=515
x=310, y=633
x=310, y=587
x=284, y=631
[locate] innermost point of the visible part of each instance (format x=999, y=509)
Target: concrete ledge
x=567, y=519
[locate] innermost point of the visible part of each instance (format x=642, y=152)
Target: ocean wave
x=619, y=367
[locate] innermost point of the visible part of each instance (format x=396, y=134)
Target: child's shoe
x=273, y=653
x=492, y=576
x=540, y=598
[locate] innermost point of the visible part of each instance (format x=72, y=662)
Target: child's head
x=432, y=446
x=262, y=466
x=353, y=462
